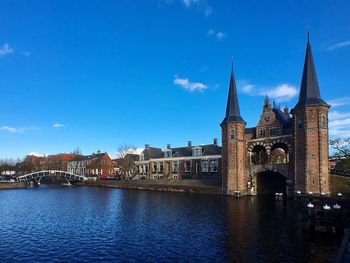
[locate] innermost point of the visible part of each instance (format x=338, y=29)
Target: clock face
x=267, y=118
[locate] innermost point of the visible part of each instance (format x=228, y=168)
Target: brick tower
x=310, y=133
x=233, y=146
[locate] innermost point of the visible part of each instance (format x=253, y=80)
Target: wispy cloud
x=26, y=53
x=189, y=86
x=201, y=4
x=281, y=92
x=339, y=102
x=58, y=125
x=339, y=123
x=6, y=50
x=218, y=35
x=36, y=154
x=17, y=130
x=339, y=45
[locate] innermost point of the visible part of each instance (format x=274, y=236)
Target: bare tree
x=125, y=160
x=341, y=147
x=77, y=150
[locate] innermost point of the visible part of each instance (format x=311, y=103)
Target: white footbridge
x=37, y=176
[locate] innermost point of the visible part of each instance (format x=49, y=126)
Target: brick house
x=202, y=161
x=286, y=152
x=97, y=165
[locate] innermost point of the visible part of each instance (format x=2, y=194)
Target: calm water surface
x=99, y=224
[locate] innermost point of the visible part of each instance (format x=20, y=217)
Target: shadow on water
x=261, y=229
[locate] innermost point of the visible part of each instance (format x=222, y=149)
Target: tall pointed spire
x=232, y=109
x=309, y=90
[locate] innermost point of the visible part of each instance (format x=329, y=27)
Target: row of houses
x=200, y=161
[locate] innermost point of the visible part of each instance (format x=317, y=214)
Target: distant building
x=97, y=165
x=51, y=162
x=201, y=161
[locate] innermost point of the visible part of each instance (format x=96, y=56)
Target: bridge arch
x=38, y=175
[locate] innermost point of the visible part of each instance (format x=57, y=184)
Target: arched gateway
x=287, y=151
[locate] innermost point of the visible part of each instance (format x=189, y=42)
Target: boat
x=67, y=184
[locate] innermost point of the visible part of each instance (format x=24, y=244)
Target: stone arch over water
x=270, y=182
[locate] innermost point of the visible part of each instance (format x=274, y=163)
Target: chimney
x=189, y=144
x=146, y=146
x=215, y=141
x=168, y=146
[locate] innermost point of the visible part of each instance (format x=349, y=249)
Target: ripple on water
x=96, y=224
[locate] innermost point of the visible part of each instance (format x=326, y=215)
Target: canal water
x=113, y=225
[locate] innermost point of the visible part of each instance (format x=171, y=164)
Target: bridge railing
x=45, y=173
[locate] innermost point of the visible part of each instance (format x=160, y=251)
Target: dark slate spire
x=309, y=90
x=232, y=109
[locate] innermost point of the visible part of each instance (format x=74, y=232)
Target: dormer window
x=197, y=151
x=142, y=157
x=168, y=153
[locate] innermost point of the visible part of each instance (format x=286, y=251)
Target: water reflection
x=102, y=224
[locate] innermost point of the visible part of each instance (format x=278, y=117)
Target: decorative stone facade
x=286, y=151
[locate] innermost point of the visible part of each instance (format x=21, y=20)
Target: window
x=161, y=167
x=300, y=122
x=204, y=166
x=273, y=131
x=187, y=166
x=323, y=122
x=175, y=166
x=167, y=153
x=261, y=133
x=214, y=165
x=154, y=167
x=197, y=151
x=232, y=134
x=142, y=157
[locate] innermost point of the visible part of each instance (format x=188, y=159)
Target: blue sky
x=97, y=74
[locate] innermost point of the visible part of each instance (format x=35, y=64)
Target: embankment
x=15, y=185
x=206, y=186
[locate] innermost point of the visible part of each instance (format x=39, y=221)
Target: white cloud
x=6, y=50
x=211, y=32
x=339, y=102
x=282, y=92
x=190, y=86
x=201, y=4
x=248, y=88
x=58, y=125
x=339, y=124
x=17, y=130
x=335, y=115
x=218, y=35
x=339, y=45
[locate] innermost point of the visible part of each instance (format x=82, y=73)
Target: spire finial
x=231, y=63
x=308, y=35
